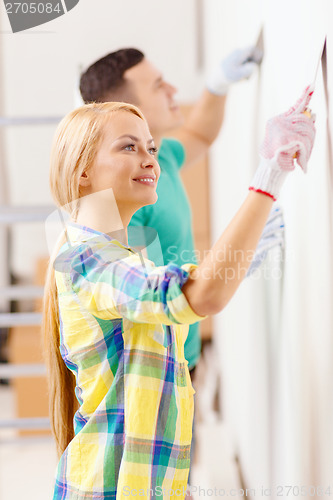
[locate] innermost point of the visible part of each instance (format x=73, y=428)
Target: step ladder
x=10, y=215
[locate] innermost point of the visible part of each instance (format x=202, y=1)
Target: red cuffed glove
x=288, y=137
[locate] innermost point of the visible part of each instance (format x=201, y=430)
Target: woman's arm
x=211, y=286
x=288, y=137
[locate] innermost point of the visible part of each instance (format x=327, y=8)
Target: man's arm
x=202, y=126
x=205, y=121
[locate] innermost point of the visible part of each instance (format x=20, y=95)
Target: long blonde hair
x=75, y=145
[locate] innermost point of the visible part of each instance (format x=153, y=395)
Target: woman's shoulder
x=83, y=256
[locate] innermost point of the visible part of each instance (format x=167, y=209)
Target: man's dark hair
x=104, y=80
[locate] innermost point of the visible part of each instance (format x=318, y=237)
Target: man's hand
x=237, y=66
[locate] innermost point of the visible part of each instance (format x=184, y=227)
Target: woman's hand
x=289, y=138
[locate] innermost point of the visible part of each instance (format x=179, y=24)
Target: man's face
x=155, y=98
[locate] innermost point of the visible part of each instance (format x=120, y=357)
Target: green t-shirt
x=171, y=217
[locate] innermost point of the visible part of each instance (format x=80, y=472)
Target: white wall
x=275, y=337
x=40, y=70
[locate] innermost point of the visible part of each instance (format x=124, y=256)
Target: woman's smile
x=148, y=180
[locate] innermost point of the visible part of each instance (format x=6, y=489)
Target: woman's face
x=126, y=162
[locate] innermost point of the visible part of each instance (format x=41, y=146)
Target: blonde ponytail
x=61, y=381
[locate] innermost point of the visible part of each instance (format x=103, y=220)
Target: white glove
x=238, y=65
x=288, y=137
x=272, y=236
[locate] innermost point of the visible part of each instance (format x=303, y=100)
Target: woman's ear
x=84, y=179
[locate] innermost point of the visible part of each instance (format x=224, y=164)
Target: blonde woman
x=115, y=325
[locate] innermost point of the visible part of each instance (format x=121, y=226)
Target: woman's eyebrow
x=133, y=138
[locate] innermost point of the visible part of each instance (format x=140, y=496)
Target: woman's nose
x=147, y=163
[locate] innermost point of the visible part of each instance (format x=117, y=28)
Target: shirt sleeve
x=114, y=282
x=175, y=148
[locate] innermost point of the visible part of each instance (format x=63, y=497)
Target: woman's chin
x=151, y=201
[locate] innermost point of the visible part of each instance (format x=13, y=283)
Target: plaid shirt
x=123, y=327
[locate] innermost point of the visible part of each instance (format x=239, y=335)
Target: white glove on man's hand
x=236, y=66
x=272, y=237
x=288, y=137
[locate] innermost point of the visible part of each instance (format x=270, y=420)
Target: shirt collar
x=80, y=234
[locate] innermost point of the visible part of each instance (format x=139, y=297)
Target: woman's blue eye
x=131, y=147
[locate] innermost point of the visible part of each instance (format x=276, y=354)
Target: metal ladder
x=10, y=215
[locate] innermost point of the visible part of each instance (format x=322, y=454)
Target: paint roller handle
x=308, y=114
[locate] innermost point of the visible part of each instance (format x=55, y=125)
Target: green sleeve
x=176, y=149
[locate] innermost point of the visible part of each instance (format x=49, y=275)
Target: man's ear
x=84, y=179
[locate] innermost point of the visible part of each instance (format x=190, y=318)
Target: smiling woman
x=108, y=317
x=115, y=325
x=125, y=161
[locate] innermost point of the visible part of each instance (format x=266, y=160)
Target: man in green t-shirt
x=126, y=75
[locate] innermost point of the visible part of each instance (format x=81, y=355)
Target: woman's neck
x=99, y=211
